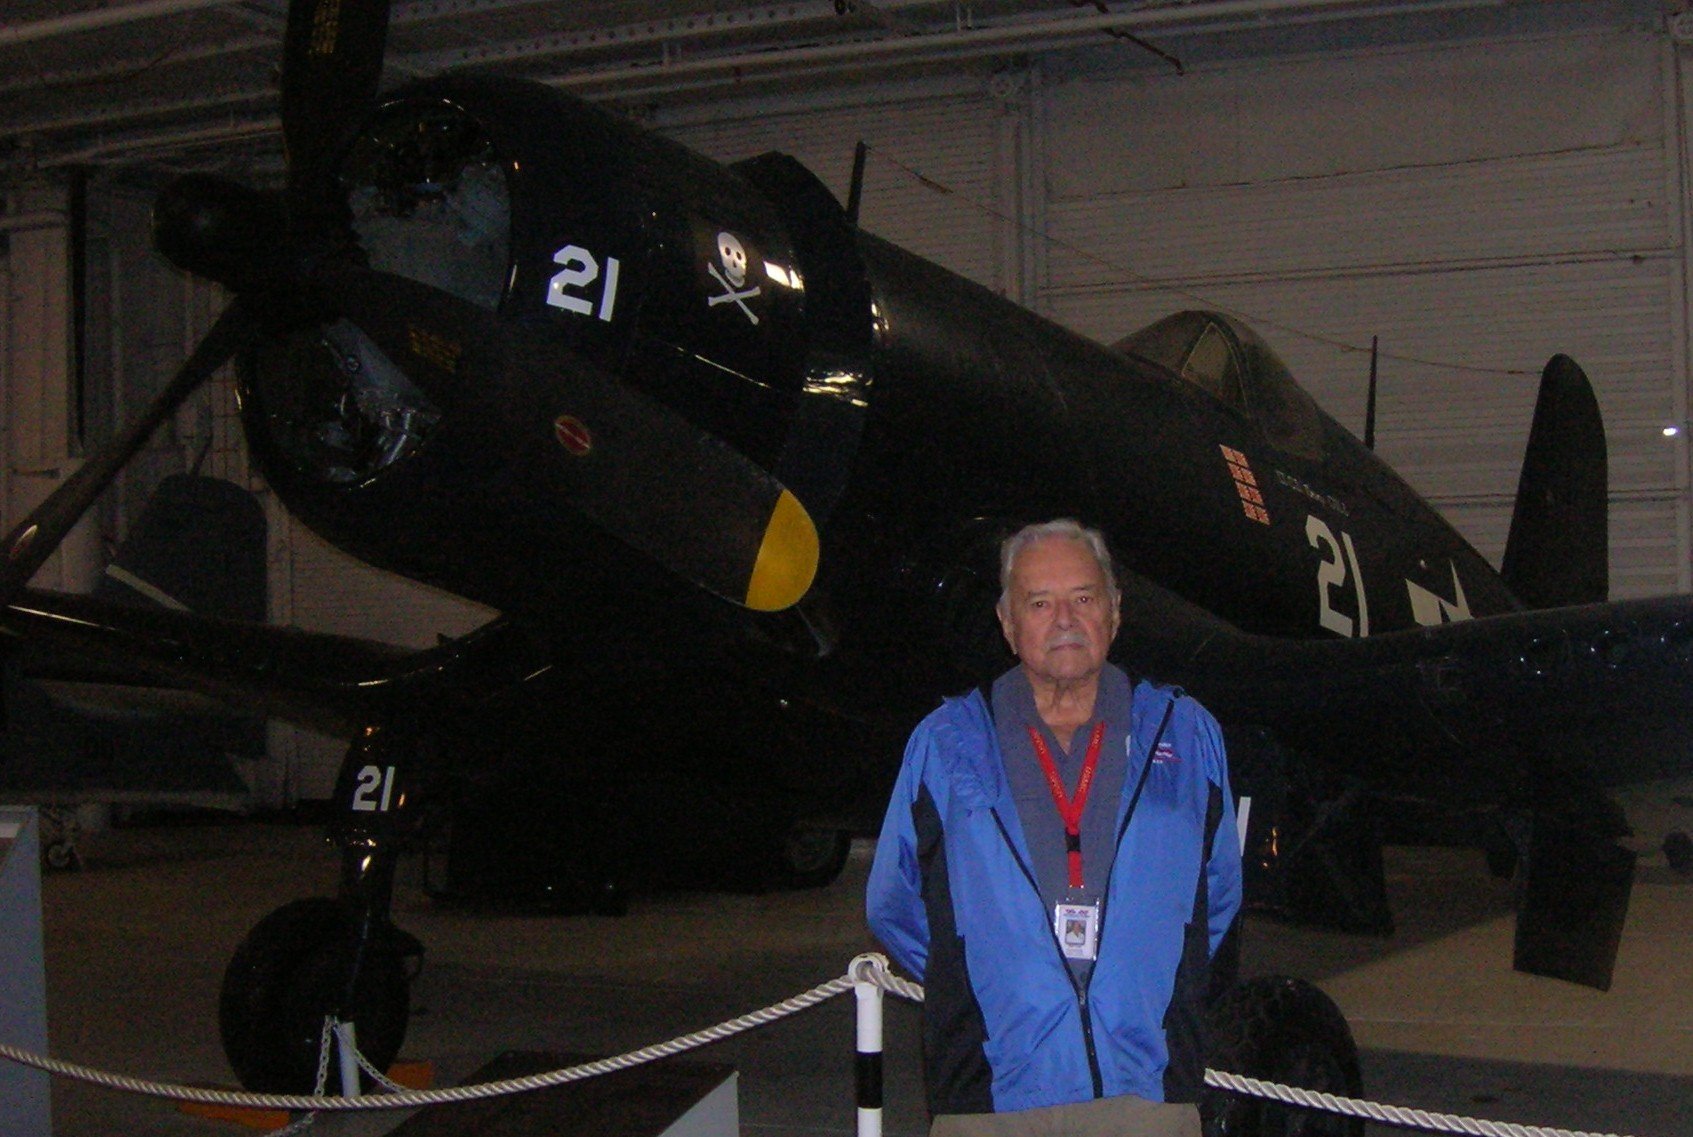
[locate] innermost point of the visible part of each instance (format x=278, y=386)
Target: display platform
x=668, y=1098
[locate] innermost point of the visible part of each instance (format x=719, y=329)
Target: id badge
x=1077, y=928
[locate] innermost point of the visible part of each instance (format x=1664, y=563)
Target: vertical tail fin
x=1559, y=549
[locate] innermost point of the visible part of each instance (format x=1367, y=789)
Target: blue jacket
x=952, y=898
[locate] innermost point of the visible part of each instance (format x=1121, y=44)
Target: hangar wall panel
x=936, y=180
x=1451, y=200
x=1256, y=122
x=36, y=430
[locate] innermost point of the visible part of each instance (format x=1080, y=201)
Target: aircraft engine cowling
x=596, y=242
x=429, y=199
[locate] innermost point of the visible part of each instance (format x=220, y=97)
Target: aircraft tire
x=1282, y=1030
x=1678, y=851
x=811, y=858
x=62, y=855
x=289, y=973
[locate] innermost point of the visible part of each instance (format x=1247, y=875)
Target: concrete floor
x=137, y=940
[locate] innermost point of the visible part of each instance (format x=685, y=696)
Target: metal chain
x=324, y=1042
x=376, y=1075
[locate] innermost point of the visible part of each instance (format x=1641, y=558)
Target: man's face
x=1059, y=617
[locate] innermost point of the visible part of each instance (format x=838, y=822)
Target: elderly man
x=1058, y=865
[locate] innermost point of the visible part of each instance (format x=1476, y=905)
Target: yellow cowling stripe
x=787, y=558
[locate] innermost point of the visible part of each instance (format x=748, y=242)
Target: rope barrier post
x=867, y=1069
x=347, y=1056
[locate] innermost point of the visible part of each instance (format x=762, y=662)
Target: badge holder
x=1077, y=927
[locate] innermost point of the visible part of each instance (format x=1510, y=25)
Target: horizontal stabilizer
x=1559, y=549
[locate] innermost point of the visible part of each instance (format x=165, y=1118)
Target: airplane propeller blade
x=30, y=544
x=331, y=66
x=630, y=463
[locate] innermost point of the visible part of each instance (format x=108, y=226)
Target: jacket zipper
x=1128, y=816
x=1104, y=901
x=1064, y=964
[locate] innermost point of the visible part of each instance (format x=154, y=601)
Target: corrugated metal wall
x=932, y=183
x=36, y=367
x=1478, y=207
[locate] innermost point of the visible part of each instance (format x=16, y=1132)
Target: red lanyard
x=1070, y=809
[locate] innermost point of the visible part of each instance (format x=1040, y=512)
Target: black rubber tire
x=811, y=858
x=291, y=971
x=1282, y=1030
x=62, y=855
x=1678, y=851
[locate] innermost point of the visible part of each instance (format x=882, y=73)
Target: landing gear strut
x=340, y=957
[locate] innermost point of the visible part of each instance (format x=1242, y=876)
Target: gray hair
x=1064, y=528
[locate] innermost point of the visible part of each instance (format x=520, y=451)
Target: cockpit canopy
x=1226, y=359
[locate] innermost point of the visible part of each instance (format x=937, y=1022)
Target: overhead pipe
x=1193, y=18
x=661, y=78
x=107, y=17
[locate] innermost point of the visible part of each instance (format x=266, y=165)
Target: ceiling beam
x=680, y=53
x=111, y=15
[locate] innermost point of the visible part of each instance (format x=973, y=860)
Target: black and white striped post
x=347, y=1054
x=867, y=1069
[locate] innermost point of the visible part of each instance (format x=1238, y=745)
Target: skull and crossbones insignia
x=732, y=275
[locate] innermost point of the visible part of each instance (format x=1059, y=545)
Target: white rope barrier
x=874, y=969
x=1401, y=1116
x=411, y=1099
x=870, y=969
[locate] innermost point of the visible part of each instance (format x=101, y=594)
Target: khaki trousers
x=1125, y=1116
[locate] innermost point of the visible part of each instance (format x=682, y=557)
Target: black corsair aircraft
x=734, y=472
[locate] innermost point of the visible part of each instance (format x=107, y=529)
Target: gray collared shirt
x=1043, y=830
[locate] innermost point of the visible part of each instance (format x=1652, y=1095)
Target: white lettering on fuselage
x=1429, y=608
x=375, y=789
x=1305, y=489
x=1332, y=573
x=580, y=269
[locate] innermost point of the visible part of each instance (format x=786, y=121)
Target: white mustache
x=1067, y=639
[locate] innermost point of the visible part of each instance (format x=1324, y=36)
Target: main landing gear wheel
x=1282, y=1030
x=291, y=971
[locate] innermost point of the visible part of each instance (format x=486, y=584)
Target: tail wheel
x=1678, y=850
x=1278, y=1029
x=811, y=858
x=296, y=967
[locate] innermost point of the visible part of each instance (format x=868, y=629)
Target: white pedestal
x=23, y=978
